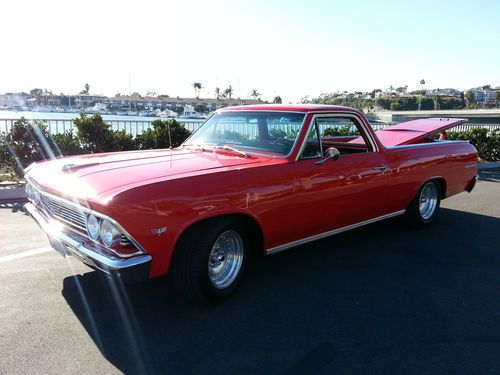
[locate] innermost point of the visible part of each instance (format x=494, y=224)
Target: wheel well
x=254, y=232
x=442, y=186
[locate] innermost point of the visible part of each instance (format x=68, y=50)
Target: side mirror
x=331, y=153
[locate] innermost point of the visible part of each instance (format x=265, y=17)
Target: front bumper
x=130, y=270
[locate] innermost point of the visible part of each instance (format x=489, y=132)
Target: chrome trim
x=89, y=211
x=435, y=143
x=230, y=109
x=85, y=254
x=221, y=110
x=358, y=120
x=319, y=236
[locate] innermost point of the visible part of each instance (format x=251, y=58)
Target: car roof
x=290, y=107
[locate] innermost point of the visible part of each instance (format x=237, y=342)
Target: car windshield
x=258, y=132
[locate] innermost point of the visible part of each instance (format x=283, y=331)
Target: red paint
x=288, y=199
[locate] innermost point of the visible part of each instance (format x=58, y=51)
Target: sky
x=287, y=48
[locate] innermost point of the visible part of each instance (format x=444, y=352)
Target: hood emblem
x=158, y=231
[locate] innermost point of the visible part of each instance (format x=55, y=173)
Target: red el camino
x=253, y=179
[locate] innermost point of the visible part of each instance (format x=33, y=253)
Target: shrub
x=485, y=141
x=67, y=143
x=383, y=102
x=24, y=144
x=342, y=131
x=158, y=136
x=93, y=133
x=404, y=104
x=122, y=141
x=451, y=103
x=426, y=103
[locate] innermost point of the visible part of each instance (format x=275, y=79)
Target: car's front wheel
x=423, y=209
x=210, y=260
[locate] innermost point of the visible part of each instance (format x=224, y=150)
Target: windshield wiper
x=233, y=149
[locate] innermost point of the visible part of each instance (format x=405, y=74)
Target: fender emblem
x=158, y=231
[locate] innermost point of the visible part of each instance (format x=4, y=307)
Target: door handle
x=382, y=168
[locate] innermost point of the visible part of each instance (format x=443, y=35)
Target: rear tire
x=210, y=260
x=424, y=208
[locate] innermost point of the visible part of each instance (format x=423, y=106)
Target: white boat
x=98, y=108
x=167, y=114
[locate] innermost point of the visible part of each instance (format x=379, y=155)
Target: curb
x=488, y=165
x=12, y=193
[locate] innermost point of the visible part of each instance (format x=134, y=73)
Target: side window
x=312, y=148
x=341, y=129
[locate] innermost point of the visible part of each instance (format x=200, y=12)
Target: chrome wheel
x=428, y=200
x=225, y=259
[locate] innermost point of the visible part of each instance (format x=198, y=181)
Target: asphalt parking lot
x=383, y=299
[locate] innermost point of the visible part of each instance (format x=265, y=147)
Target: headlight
x=32, y=193
x=93, y=227
x=29, y=191
x=36, y=195
x=109, y=233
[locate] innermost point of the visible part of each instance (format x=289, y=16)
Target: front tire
x=423, y=210
x=210, y=260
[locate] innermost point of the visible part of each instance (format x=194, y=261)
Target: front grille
x=65, y=212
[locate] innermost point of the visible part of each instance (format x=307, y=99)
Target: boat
x=98, y=108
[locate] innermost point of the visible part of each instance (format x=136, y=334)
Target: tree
x=24, y=144
x=469, y=96
x=217, y=93
x=228, y=93
x=197, y=87
x=163, y=134
x=497, y=96
x=255, y=94
x=87, y=88
x=277, y=100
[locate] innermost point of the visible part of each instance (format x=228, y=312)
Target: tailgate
x=416, y=131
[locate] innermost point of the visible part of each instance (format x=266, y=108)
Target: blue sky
x=287, y=48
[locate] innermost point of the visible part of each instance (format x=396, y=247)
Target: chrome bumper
x=130, y=270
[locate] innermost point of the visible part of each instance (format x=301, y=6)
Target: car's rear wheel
x=210, y=260
x=424, y=208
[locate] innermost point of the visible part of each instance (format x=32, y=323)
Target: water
x=62, y=122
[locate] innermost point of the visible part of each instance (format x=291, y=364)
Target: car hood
x=87, y=176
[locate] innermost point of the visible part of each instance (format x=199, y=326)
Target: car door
x=330, y=194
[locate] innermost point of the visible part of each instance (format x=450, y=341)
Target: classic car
x=251, y=180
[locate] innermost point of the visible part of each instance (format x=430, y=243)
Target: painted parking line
x=25, y=254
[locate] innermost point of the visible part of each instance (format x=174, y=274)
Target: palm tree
x=229, y=92
x=197, y=87
x=422, y=83
x=255, y=94
x=217, y=93
x=87, y=88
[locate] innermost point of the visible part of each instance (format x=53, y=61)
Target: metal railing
x=136, y=127
x=133, y=127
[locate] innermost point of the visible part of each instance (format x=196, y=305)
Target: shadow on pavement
x=15, y=207
x=379, y=299
x=490, y=175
